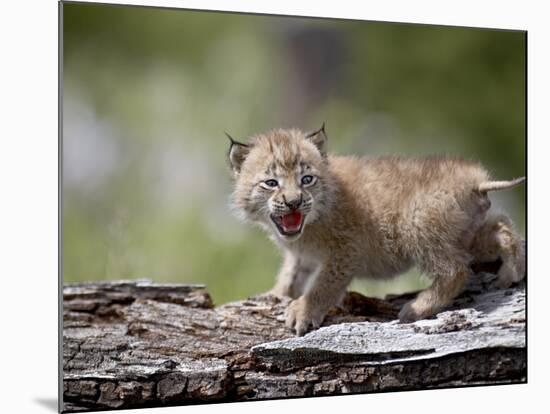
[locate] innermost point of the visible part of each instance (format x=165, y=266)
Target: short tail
x=499, y=185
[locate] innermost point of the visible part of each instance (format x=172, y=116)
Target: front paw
x=278, y=292
x=301, y=315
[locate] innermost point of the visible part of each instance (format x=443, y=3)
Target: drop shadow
x=49, y=403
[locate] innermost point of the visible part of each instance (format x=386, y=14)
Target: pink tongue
x=292, y=221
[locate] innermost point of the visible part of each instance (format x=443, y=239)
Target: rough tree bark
x=140, y=344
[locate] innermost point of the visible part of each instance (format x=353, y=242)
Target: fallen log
x=129, y=344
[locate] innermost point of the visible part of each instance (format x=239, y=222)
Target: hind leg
x=439, y=295
x=448, y=266
x=495, y=239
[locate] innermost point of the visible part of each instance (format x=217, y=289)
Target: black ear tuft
x=237, y=153
x=319, y=138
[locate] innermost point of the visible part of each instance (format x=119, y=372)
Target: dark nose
x=294, y=202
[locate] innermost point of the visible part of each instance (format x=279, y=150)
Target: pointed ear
x=236, y=154
x=319, y=139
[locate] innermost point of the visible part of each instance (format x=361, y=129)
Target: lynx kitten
x=336, y=218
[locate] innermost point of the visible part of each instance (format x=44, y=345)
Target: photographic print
x=258, y=207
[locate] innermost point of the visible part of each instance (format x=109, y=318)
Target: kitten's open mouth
x=289, y=224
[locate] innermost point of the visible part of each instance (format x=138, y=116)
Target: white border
x=28, y=171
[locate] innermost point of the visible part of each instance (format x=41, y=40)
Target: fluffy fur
x=372, y=218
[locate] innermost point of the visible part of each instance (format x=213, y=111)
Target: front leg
x=293, y=276
x=327, y=290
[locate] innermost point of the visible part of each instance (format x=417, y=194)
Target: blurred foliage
x=147, y=94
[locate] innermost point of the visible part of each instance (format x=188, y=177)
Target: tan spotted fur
x=371, y=218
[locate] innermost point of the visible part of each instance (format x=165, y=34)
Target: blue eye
x=271, y=183
x=307, y=179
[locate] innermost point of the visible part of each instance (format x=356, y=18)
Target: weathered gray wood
x=139, y=344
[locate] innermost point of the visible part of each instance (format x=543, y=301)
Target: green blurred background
x=148, y=93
